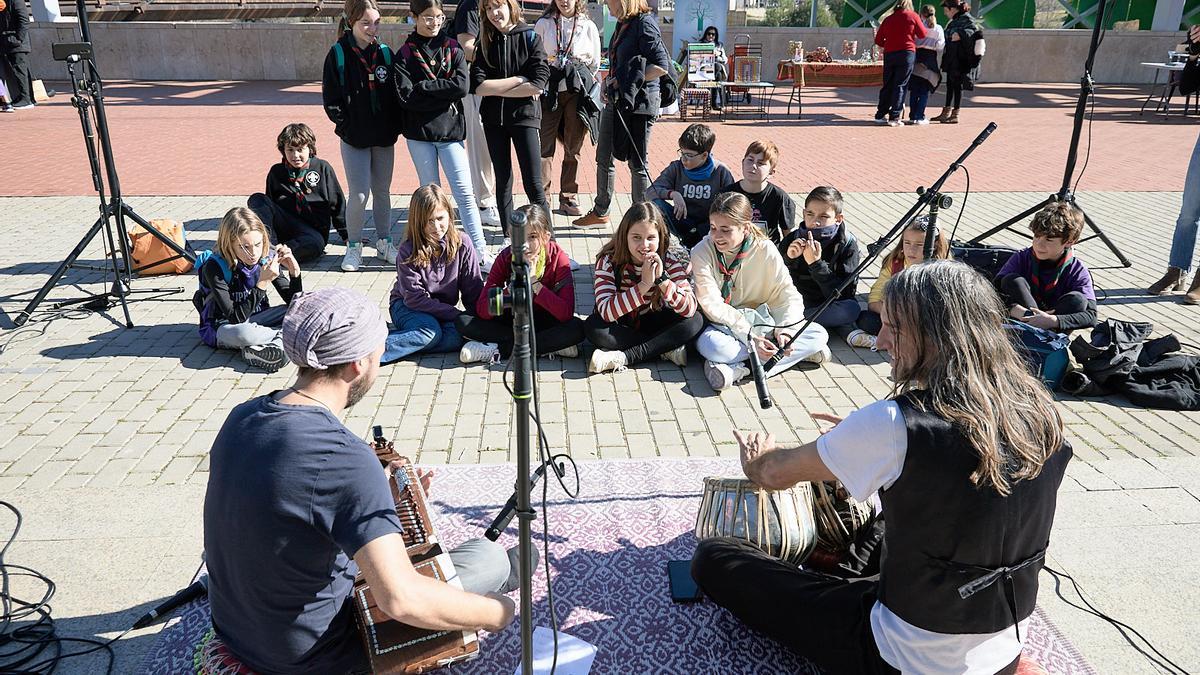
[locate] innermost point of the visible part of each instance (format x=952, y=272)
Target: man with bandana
x=297, y=504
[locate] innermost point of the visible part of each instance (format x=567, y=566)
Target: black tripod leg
x=1097, y=232
x=1012, y=221
x=128, y=211
x=121, y=282
x=23, y=317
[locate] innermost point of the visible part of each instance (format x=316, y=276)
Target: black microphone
x=500, y=524
x=516, y=232
x=760, y=379
x=197, y=589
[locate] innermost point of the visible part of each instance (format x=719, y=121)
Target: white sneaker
x=23, y=106
x=895, y=123
x=678, y=356
x=604, y=360
x=474, y=352
x=489, y=215
x=822, y=356
x=270, y=357
x=723, y=375
x=566, y=352
x=486, y=262
x=353, y=258
x=924, y=121
x=386, y=251
x=574, y=265
x=861, y=338
x=881, y=121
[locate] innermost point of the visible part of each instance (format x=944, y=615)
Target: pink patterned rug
x=609, y=553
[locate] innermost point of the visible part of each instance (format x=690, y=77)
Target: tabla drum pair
x=787, y=524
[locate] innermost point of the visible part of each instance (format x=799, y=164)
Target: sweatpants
x=368, y=172
x=501, y=141
x=288, y=228
x=716, y=344
x=551, y=334
x=656, y=333
x=260, y=328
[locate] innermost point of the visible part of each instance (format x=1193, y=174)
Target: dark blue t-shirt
x=292, y=496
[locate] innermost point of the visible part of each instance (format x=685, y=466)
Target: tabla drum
x=780, y=523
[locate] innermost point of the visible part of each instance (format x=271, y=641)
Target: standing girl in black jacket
x=958, y=58
x=431, y=85
x=510, y=73
x=361, y=102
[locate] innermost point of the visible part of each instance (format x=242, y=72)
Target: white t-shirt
x=866, y=452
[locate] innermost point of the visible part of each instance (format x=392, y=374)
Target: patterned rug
x=609, y=551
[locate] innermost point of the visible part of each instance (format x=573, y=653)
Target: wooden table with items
x=834, y=74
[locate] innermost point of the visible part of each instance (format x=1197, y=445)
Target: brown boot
x=591, y=219
x=1193, y=294
x=1173, y=280
x=953, y=118
x=943, y=117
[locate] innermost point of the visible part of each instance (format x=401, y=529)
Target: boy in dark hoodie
x=820, y=254
x=688, y=186
x=303, y=199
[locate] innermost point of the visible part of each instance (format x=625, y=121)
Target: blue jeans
x=838, y=313
x=1183, y=244
x=919, y=88
x=455, y=163
x=688, y=230
x=897, y=69
x=414, y=332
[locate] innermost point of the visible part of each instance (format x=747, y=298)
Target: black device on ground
x=197, y=589
x=930, y=197
x=683, y=586
x=1087, y=88
x=88, y=99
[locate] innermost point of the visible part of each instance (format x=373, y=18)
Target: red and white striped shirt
x=611, y=305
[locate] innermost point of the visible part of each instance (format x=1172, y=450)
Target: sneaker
x=4, y=107
x=486, y=262
x=23, y=106
x=861, y=339
x=822, y=356
x=678, y=356
x=923, y=122
x=474, y=352
x=723, y=375
x=569, y=206
x=489, y=215
x=591, y=219
x=566, y=352
x=353, y=258
x=895, y=123
x=574, y=264
x=270, y=357
x=386, y=251
x=604, y=360
x=881, y=121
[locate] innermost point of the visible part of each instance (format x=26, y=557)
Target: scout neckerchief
x=441, y=60
x=1040, y=292
x=298, y=187
x=728, y=270
x=362, y=58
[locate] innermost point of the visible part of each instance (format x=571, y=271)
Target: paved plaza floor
x=104, y=430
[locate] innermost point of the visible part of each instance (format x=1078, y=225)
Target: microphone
x=516, y=232
x=500, y=524
x=760, y=379
x=197, y=589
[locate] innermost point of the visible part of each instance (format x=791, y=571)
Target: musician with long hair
x=967, y=431
x=297, y=504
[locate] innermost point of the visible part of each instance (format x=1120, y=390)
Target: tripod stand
x=88, y=94
x=1065, y=194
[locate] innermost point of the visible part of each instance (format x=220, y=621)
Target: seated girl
x=645, y=306
x=744, y=289
x=910, y=251
x=232, y=298
x=434, y=270
x=557, y=330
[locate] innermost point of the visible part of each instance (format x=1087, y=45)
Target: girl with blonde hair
x=745, y=290
x=232, y=298
x=435, y=270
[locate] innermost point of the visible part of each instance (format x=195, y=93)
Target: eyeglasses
x=433, y=20
x=684, y=154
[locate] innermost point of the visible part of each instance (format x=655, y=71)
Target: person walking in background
x=959, y=57
x=897, y=35
x=926, y=75
x=361, y=102
x=14, y=54
x=572, y=44
x=466, y=28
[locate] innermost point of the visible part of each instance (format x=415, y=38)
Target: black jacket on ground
x=324, y=203
x=817, y=282
x=520, y=52
x=14, y=28
x=356, y=120
x=1121, y=358
x=432, y=108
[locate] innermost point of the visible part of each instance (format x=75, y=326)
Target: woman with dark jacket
x=511, y=74
x=898, y=35
x=431, y=79
x=361, y=102
x=14, y=54
x=958, y=58
x=637, y=59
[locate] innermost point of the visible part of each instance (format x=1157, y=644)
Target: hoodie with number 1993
x=360, y=119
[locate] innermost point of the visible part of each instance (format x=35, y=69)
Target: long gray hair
x=948, y=326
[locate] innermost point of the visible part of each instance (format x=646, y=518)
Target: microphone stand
x=928, y=197
x=506, y=514
x=522, y=363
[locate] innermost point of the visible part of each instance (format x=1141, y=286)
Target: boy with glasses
x=686, y=188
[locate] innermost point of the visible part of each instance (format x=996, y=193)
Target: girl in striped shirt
x=645, y=306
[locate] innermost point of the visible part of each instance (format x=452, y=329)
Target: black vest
x=959, y=558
